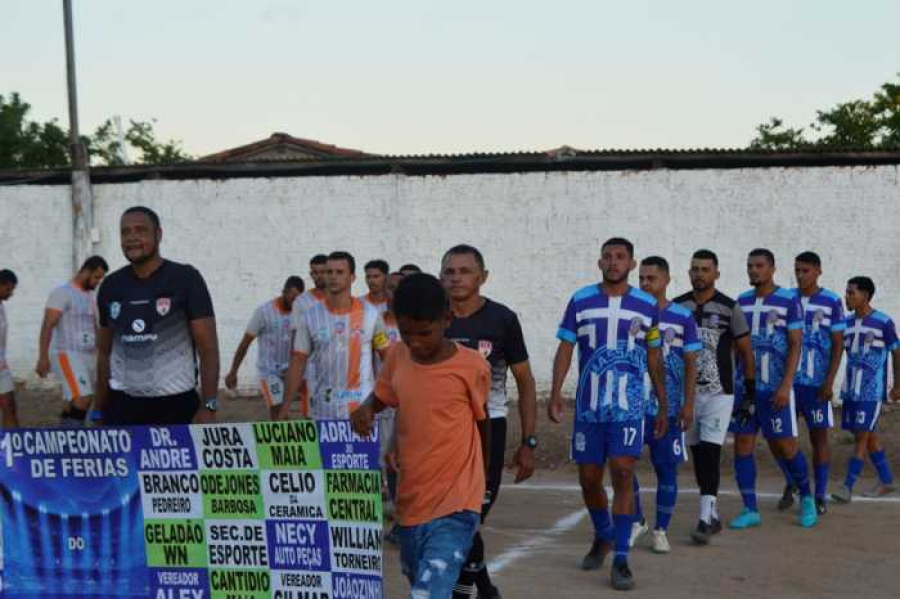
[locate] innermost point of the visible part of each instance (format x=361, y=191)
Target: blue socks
x=638, y=512
x=785, y=469
x=603, y=530
x=622, y=522
x=666, y=493
x=799, y=472
x=881, y=465
x=821, y=473
x=745, y=475
x=854, y=469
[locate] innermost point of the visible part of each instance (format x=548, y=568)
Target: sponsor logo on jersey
x=138, y=326
x=115, y=308
x=163, y=305
x=714, y=320
x=670, y=336
x=635, y=327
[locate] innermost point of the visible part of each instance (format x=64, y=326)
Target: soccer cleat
x=747, y=519
x=494, y=593
x=638, y=529
x=660, y=544
x=880, y=490
x=621, y=577
x=465, y=591
x=702, y=534
x=844, y=494
x=821, y=506
x=715, y=526
x=787, y=498
x=808, y=513
x=594, y=558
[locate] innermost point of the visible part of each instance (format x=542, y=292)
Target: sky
x=422, y=77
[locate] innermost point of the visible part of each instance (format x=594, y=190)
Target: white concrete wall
x=540, y=233
x=36, y=243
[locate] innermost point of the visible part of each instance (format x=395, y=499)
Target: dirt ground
x=538, y=530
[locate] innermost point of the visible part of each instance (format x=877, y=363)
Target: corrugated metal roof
x=472, y=163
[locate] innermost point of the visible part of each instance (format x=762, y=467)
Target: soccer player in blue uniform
x=870, y=337
x=823, y=343
x=776, y=334
x=615, y=327
x=680, y=344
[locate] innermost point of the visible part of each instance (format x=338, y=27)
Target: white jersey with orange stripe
x=305, y=300
x=381, y=306
x=76, y=330
x=271, y=325
x=339, y=347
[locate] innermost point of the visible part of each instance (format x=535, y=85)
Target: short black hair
x=8, y=276
x=619, y=241
x=153, y=216
x=411, y=267
x=657, y=261
x=767, y=254
x=863, y=284
x=380, y=264
x=318, y=259
x=463, y=249
x=342, y=255
x=295, y=282
x=704, y=254
x=93, y=263
x=809, y=258
x=421, y=296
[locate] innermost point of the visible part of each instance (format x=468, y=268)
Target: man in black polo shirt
x=492, y=329
x=156, y=317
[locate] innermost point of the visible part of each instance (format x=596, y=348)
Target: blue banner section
x=342, y=449
x=189, y=512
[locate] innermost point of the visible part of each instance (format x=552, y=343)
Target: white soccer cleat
x=638, y=529
x=660, y=542
x=880, y=490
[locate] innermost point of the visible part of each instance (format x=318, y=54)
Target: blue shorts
x=775, y=424
x=432, y=554
x=595, y=442
x=670, y=449
x=818, y=414
x=860, y=416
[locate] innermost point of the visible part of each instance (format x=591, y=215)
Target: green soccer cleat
x=808, y=515
x=747, y=519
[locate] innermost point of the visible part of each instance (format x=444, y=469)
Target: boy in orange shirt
x=443, y=436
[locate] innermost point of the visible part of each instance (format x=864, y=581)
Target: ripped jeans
x=432, y=554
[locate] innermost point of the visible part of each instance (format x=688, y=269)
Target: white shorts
x=272, y=388
x=76, y=373
x=712, y=414
x=7, y=384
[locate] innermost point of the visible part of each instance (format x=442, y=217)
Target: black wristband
x=749, y=387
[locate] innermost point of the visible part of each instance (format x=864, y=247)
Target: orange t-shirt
x=442, y=470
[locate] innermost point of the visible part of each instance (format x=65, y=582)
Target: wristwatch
x=530, y=441
x=211, y=404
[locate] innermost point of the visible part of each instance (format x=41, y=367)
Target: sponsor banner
x=287, y=510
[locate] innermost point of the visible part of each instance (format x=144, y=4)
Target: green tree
x=29, y=144
x=104, y=148
x=855, y=125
